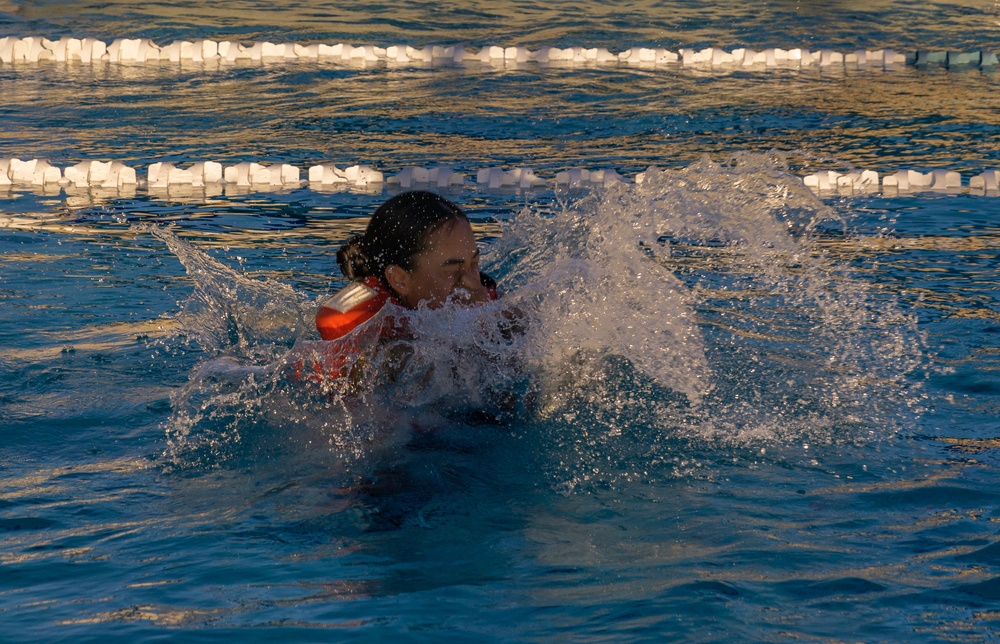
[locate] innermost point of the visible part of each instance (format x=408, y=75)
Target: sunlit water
x=729, y=411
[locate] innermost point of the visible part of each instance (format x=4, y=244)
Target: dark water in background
x=834, y=478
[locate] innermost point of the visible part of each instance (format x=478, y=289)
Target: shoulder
x=350, y=307
x=352, y=296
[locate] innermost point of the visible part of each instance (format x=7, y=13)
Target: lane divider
x=33, y=49
x=215, y=178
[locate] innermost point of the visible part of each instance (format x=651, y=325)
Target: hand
x=514, y=322
x=471, y=296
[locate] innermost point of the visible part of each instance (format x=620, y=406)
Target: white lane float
x=215, y=178
x=988, y=182
x=34, y=49
x=855, y=182
x=249, y=174
x=578, y=55
x=356, y=176
x=860, y=182
x=583, y=178
x=439, y=176
x=104, y=174
x=33, y=172
x=914, y=181
x=497, y=178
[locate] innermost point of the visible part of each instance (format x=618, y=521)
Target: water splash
x=231, y=314
x=714, y=281
x=701, y=305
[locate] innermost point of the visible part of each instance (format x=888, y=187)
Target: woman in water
x=418, y=251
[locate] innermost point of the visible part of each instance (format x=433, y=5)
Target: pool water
x=737, y=410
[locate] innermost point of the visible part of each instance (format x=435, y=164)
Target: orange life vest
x=350, y=308
x=358, y=302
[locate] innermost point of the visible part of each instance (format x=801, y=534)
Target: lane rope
x=34, y=49
x=214, y=178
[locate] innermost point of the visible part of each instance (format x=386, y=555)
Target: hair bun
x=352, y=260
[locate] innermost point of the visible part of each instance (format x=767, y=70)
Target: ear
x=398, y=279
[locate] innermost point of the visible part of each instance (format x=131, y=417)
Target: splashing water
x=229, y=313
x=713, y=282
x=697, y=305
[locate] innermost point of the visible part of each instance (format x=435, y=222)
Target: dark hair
x=397, y=231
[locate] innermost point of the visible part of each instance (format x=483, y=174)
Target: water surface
x=746, y=413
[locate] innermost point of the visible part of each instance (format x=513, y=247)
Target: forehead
x=454, y=236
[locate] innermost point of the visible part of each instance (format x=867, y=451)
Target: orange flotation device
x=329, y=362
x=359, y=302
x=339, y=316
x=351, y=307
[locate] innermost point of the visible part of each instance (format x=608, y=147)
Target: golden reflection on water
x=947, y=243
x=823, y=525
x=972, y=445
x=174, y=616
x=308, y=112
x=102, y=338
x=443, y=22
x=32, y=258
x=50, y=477
x=519, y=22
x=334, y=230
x=48, y=491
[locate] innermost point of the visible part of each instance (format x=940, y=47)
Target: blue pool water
x=744, y=413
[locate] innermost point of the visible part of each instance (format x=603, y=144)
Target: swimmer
x=418, y=251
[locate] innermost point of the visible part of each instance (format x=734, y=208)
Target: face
x=448, y=266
